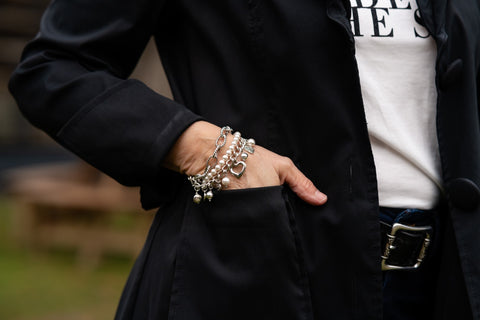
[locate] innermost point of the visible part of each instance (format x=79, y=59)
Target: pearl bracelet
x=214, y=177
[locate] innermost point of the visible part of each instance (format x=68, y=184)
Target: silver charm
x=239, y=173
x=249, y=146
x=197, y=198
x=209, y=195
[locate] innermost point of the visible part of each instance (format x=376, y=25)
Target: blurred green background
x=68, y=234
x=50, y=284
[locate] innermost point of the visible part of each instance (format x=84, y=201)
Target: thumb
x=301, y=185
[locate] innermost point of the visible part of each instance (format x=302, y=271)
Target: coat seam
x=175, y=290
x=148, y=248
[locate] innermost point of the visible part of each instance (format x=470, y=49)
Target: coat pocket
x=239, y=260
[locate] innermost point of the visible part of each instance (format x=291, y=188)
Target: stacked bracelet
x=215, y=175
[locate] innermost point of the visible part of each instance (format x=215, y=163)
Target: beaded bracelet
x=214, y=177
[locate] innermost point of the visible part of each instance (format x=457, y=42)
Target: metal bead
x=209, y=195
x=244, y=156
x=225, y=182
x=197, y=198
x=251, y=142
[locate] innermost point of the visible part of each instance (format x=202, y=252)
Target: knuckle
x=307, y=184
x=286, y=163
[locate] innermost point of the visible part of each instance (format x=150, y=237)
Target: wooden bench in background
x=75, y=206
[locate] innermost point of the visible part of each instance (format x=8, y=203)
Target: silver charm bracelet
x=214, y=177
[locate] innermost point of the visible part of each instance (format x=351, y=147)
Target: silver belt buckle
x=391, y=246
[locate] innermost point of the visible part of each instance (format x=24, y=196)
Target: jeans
x=409, y=294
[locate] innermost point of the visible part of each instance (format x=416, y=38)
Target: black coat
x=284, y=73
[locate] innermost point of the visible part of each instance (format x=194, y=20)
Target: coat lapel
x=339, y=12
x=434, y=16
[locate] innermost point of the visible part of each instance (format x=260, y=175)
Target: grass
x=50, y=285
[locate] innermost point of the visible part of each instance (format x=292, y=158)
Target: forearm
x=192, y=149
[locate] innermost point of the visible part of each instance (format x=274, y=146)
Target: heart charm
x=238, y=173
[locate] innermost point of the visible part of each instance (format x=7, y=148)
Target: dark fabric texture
x=283, y=72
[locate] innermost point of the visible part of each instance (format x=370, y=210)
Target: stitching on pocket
x=308, y=308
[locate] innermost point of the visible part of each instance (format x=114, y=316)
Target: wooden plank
x=91, y=242
x=74, y=196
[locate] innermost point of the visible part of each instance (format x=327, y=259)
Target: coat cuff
x=127, y=131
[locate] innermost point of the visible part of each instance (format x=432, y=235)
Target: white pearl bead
x=221, y=162
x=237, y=134
x=213, y=171
x=225, y=182
x=217, y=167
x=225, y=157
x=244, y=156
x=229, y=152
x=251, y=142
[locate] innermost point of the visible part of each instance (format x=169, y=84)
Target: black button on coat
x=284, y=73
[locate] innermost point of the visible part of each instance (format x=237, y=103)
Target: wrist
x=218, y=168
x=192, y=149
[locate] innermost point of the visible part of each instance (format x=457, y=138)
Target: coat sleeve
x=71, y=83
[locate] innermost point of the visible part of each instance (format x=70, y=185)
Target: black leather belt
x=404, y=247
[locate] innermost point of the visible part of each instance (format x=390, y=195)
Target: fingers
x=300, y=184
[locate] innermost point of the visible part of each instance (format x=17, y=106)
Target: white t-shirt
x=396, y=61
